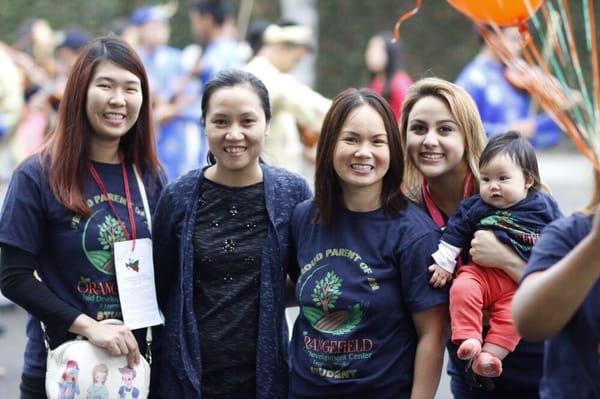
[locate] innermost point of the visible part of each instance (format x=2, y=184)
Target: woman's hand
x=118, y=340
x=487, y=251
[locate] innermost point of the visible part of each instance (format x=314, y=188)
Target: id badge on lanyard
x=134, y=264
x=135, y=278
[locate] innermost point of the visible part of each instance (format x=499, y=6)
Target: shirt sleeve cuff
x=445, y=256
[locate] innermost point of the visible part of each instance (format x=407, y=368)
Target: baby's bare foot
x=468, y=349
x=487, y=365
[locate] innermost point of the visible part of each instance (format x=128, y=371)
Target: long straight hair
x=68, y=147
x=328, y=191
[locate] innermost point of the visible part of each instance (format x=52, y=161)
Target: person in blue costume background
x=370, y=325
x=444, y=138
x=210, y=22
x=559, y=301
x=176, y=94
x=221, y=254
x=67, y=205
x=502, y=106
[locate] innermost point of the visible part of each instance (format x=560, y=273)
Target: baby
x=510, y=204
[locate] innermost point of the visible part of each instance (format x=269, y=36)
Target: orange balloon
x=500, y=12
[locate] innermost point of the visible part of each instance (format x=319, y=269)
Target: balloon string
x=406, y=16
x=555, y=35
x=583, y=89
x=583, y=134
x=559, y=114
x=595, y=68
x=539, y=87
x=548, y=40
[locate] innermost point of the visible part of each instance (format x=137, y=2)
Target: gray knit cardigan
x=176, y=370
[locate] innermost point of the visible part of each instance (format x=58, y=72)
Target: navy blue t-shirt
x=572, y=357
x=360, y=280
x=74, y=255
x=518, y=226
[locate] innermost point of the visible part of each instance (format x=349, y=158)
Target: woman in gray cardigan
x=221, y=256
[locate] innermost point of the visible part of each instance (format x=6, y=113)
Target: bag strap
x=140, y=183
x=144, y=196
x=45, y=336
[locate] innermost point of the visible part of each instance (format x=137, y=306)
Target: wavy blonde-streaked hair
x=465, y=113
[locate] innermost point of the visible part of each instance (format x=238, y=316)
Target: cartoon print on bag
x=69, y=384
x=98, y=388
x=127, y=390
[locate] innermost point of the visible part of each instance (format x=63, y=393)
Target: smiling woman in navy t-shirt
x=370, y=325
x=67, y=206
x=559, y=300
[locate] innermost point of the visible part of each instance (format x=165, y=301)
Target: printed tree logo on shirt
x=109, y=232
x=327, y=291
x=322, y=317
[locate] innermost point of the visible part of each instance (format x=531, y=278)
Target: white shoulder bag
x=80, y=369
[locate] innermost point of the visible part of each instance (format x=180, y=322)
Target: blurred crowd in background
x=36, y=65
x=35, y=70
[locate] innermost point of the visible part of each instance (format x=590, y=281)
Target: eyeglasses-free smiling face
x=114, y=100
x=236, y=128
x=435, y=144
x=502, y=182
x=362, y=157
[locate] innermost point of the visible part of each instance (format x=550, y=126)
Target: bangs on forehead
x=226, y=92
x=504, y=153
x=128, y=81
x=117, y=64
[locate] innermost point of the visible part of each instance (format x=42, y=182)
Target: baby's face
x=502, y=182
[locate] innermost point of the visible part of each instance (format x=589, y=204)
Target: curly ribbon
x=406, y=16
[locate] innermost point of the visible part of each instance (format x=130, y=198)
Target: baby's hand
x=439, y=277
